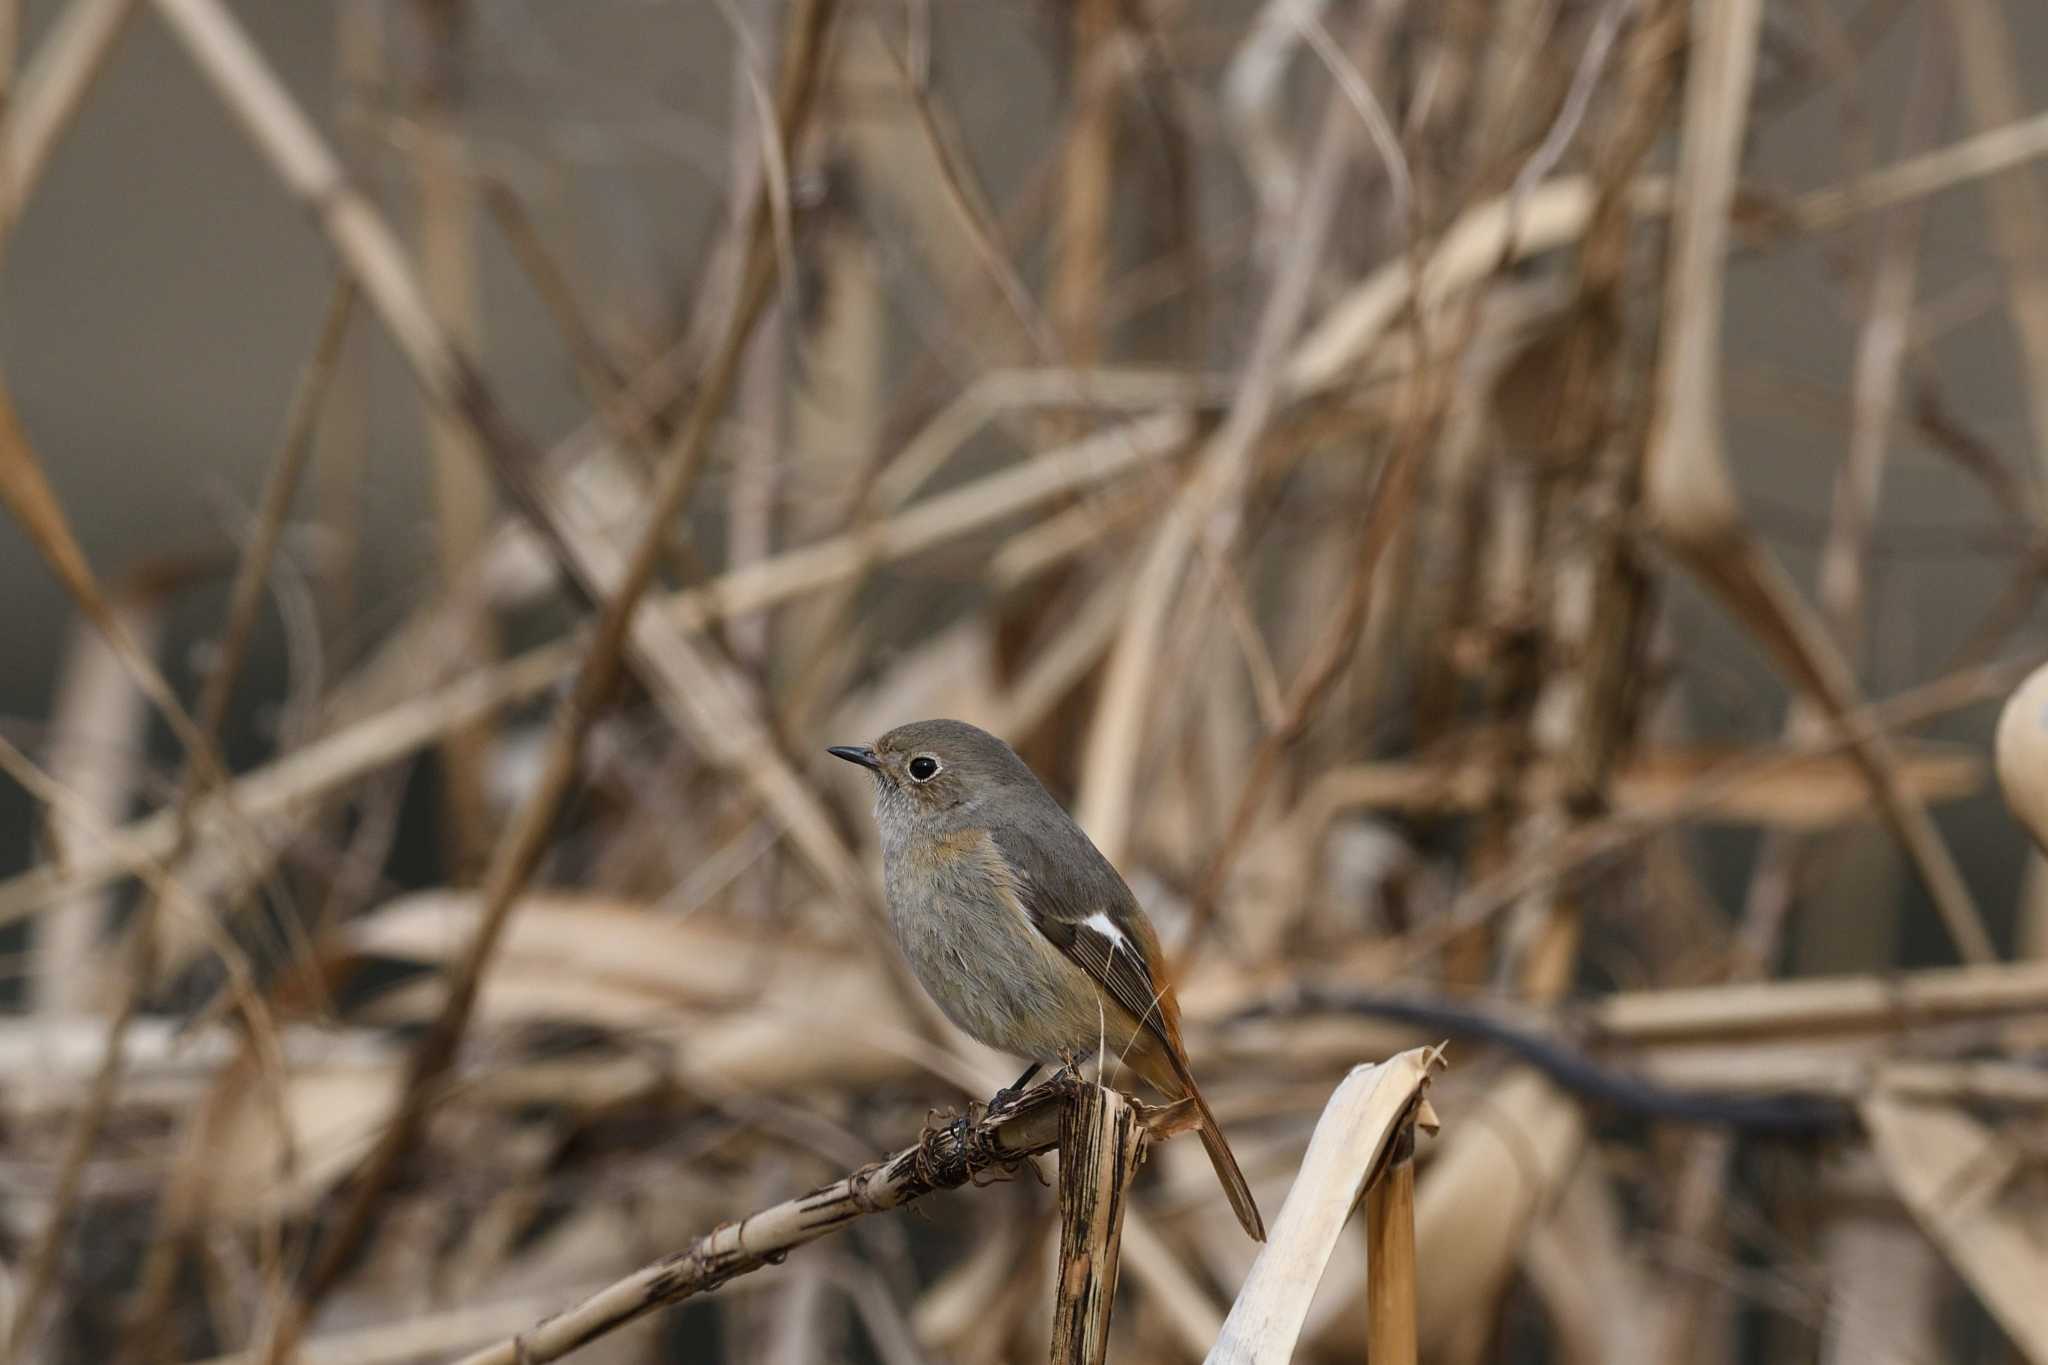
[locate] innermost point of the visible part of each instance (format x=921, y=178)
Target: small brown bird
x=1016, y=924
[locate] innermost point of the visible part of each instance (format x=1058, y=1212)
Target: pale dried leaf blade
x=1961, y=1182
x=257, y=1168
x=1475, y=1203
x=771, y=1022
x=1359, y=1122
x=604, y=938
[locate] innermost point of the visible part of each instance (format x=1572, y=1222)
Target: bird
x=1018, y=927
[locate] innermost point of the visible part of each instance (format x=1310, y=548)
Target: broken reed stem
x=1390, y=1257
x=943, y=1159
x=1101, y=1143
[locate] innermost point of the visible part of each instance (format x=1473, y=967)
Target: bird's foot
x=1014, y=1091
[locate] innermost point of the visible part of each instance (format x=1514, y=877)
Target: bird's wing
x=1075, y=898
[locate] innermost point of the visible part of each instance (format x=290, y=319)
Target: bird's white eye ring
x=923, y=768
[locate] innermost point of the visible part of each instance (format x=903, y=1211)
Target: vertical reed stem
x=1390, y=1257
x=452, y=274
x=1101, y=1142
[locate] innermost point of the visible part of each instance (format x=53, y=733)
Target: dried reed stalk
x=1992, y=88
x=1209, y=505
x=1818, y=1008
x=1689, y=1300
x=10, y=45
x=945, y=1158
x=761, y=162
x=245, y=603
x=201, y=770
x=1605, y=838
x=417, y=1338
x=1390, y=1257
x=1881, y=346
x=343, y=444
x=1246, y=741
x=97, y=730
x=701, y=694
x=1824, y=1006
x=518, y=852
x=1787, y=788
x=1980, y=156
x=393, y=733
x=1084, y=247
x=1965, y=1186
x=1888, y=1280
x=1690, y=493
x=1102, y=1140
x=30, y=499
x=451, y=275
x=49, y=93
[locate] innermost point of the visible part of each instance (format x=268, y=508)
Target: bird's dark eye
x=923, y=768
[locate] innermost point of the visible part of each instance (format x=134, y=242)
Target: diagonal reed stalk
x=947, y=1157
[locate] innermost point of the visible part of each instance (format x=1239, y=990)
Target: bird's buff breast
x=954, y=906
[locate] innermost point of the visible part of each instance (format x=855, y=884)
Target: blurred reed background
x=1510, y=520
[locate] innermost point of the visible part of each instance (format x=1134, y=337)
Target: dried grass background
x=1511, y=523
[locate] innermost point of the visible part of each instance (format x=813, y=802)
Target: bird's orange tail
x=1225, y=1162
x=1177, y=1082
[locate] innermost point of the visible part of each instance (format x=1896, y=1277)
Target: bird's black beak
x=856, y=753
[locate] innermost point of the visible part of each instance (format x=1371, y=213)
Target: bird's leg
x=1010, y=1093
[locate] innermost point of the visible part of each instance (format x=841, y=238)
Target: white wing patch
x=1105, y=926
x=1106, y=929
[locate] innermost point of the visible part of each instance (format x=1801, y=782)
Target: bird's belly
x=1003, y=984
